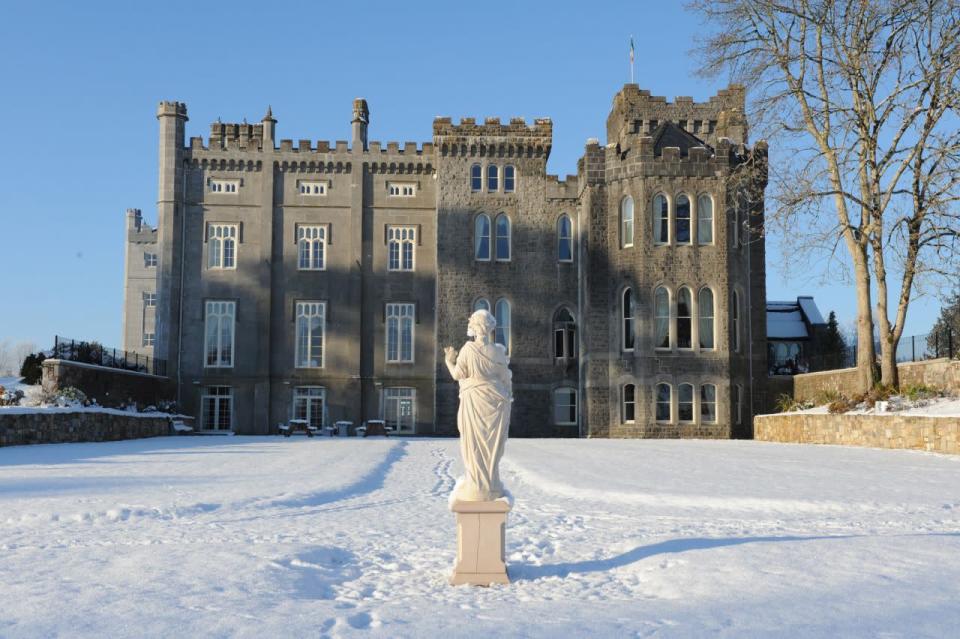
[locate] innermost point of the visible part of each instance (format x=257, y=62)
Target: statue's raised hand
x=450, y=354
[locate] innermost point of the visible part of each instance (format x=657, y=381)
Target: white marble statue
x=486, y=395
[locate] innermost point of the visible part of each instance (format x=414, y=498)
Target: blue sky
x=82, y=80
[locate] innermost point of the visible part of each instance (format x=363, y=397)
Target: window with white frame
x=629, y=325
x=401, y=244
x=684, y=318
x=682, y=220
x=400, y=409
x=704, y=219
x=663, y=403
x=224, y=186
x=311, y=247
x=400, y=320
x=482, y=304
x=476, y=178
x=149, y=300
x=708, y=403
x=564, y=335
x=493, y=178
x=481, y=238
x=502, y=332
x=219, y=333
x=661, y=219
x=626, y=222
x=149, y=339
x=310, y=329
x=629, y=404
x=312, y=187
x=308, y=404
x=565, y=406
x=222, y=246
x=401, y=189
x=705, y=315
x=149, y=260
x=217, y=408
x=509, y=178
x=685, y=402
x=564, y=239
x=503, y=240
x=661, y=318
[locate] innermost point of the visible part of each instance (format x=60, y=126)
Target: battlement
x=565, y=189
x=492, y=127
x=636, y=112
x=168, y=107
x=139, y=231
x=231, y=135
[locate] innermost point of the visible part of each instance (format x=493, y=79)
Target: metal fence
x=912, y=348
x=100, y=355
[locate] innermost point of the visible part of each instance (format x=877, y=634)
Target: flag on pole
x=631, y=59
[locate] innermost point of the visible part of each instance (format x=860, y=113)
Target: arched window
x=509, y=178
x=735, y=321
x=661, y=220
x=503, y=238
x=629, y=412
x=661, y=315
x=482, y=304
x=564, y=239
x=476, y=178
x=685, y=402
x=493, y=178
x=626, y=222
x=629, y=330
x=708, y=403
x=481, y=237
x=663, y=401
x=682, y=220
x=684, y=318
x=565, y=406
x=564, y=335
x=502, y=334
x=705, y=315
x=704, y=220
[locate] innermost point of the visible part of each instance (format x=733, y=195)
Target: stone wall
x=936, y=434
x=942, y=373
x=111, y=387
x=25, y=426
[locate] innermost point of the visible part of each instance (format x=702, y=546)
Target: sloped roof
x=669, y=134
x=792, y=320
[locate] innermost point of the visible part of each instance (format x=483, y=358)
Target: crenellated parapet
x=138, y=231
x=636, y=112
x=493, y=138
x=565, y=189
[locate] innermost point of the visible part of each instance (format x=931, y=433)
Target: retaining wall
x=943, y=373
x=111, y=387
x=936, y=434
x=25, y=426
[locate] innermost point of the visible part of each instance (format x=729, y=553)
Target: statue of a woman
x=486, y=394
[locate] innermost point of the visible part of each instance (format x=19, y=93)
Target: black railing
x=100, y=355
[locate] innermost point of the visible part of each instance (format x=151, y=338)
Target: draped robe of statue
x=486, y=395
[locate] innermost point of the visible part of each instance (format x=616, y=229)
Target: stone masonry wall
x=935, y=434
x=46, y=427
x=941, y=373
x=111, y=387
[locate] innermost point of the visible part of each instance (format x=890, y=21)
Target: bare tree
x=864, y=95
x=13, y=354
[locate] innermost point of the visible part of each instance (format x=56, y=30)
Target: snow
x=259, y=536
x=810, y=310
x=785, y=325
x=931, y=407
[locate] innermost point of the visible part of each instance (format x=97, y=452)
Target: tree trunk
x=866, y=355
x=889, y=375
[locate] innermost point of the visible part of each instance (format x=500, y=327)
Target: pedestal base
x=481, y=530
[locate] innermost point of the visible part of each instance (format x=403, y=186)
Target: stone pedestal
x=481, y=530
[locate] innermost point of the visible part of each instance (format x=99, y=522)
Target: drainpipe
x=581, y=409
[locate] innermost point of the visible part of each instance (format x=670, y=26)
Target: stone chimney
x=361, y=117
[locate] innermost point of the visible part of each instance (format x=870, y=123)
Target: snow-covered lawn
x=263, y=537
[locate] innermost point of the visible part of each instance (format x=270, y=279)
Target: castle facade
x=320, y=281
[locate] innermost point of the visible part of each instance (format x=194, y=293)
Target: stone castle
x=320, y=281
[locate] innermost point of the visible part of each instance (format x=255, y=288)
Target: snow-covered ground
x=259, y=537
x=946, y=406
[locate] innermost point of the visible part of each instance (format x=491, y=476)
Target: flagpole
x=631, y=58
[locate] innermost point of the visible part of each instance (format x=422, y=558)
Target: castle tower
x=269, y=130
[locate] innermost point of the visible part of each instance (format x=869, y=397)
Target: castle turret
x=269, y=129
x=361, y=117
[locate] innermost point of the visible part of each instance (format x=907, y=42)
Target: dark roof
x=669, y=134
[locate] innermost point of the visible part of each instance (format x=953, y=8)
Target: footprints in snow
x=441, y=470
